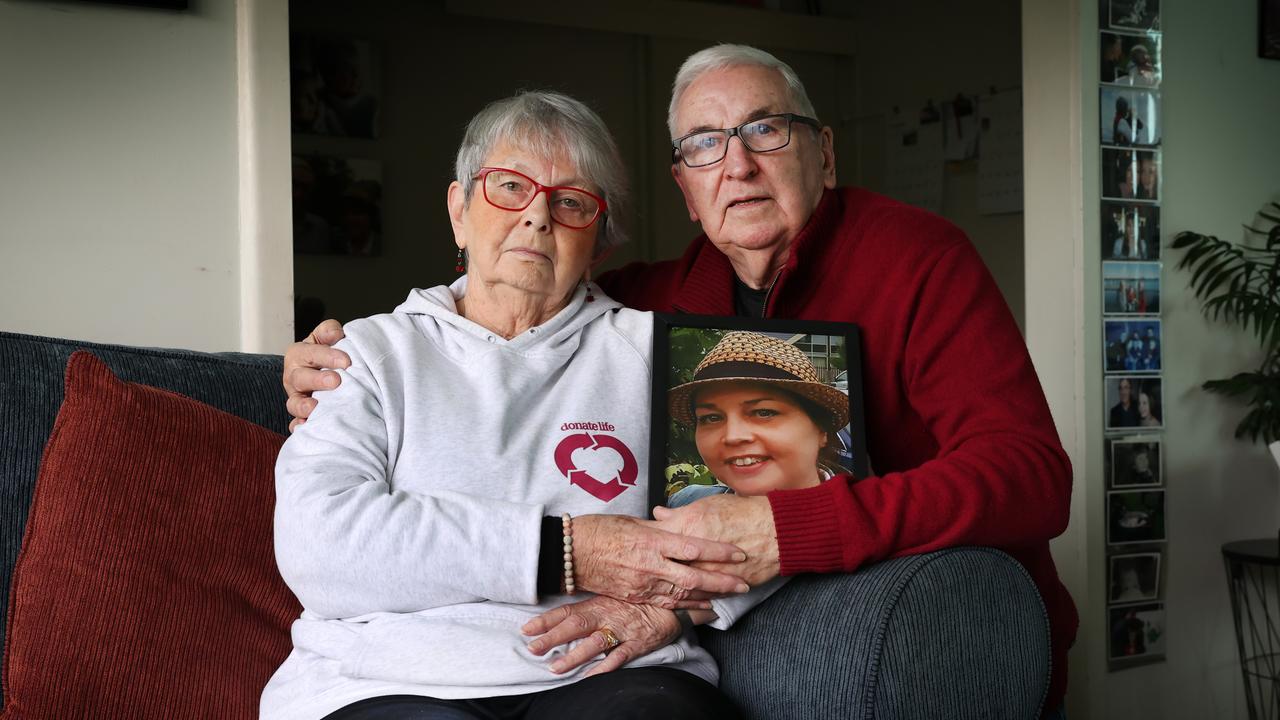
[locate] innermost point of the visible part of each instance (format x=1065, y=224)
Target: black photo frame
x=1269, y=29
x=681, y=341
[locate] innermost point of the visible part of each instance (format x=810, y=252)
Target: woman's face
x=523, y=250
x=755, y=438
x=1144, y=406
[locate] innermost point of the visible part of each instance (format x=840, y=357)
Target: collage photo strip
x=1130, y=134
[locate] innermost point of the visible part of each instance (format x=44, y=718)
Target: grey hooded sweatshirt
x=409, y=505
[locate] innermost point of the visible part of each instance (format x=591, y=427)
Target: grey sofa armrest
x=959, y=633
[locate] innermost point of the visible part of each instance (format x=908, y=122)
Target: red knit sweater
x=957, y=424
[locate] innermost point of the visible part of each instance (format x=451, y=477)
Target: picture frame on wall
x=1133, y=14
x=1130, y=288
x=1134, y=402
x=1130, y=231
x=335, y=86
x=1132, y=345
x=1137, y=632
x=1134, y=461
x=793, y=387
x=1129, y=117
x=337, y=206
x=1269, y=29
x=1134, y=577
x=1131, y=59
x=1130, y=174
x=1135, y=516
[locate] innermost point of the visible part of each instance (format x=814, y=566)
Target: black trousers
x=651, y=692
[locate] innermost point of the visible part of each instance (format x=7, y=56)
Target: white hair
x=547, y=124
x=725, y=55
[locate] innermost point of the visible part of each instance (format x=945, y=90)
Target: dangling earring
x=587, y=280
x=462, y=263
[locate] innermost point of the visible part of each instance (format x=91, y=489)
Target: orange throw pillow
x=146, y=586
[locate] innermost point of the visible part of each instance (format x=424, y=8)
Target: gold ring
x=673, y=589
x=611, y=641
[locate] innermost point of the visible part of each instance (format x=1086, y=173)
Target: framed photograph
x=1134, y=462
x=1129, y=117
x=1134, y=578
x=1134, y=402
x=1137, y=632
x=1133, y=14
x=1131, y=345
x=1130, y=288
x=1130, y=231
x=1269, y=29
x=335, y=84
x=1131, y=59
x=337, y=206
x=1135, y=516
x=749, y=406
x=1130, y=174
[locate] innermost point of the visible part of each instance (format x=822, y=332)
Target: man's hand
x=747, y=522
x=638, y=630
x=632, y=560
x=305, y=370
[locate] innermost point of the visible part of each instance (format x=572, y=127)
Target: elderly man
x=958, y=426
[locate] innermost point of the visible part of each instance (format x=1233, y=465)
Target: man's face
x=1124, y=391
x=751, y=202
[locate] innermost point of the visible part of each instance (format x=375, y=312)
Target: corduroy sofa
x=954, y=634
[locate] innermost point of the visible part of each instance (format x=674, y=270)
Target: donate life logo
x=585, y=458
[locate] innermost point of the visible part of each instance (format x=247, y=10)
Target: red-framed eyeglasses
x=571, y=207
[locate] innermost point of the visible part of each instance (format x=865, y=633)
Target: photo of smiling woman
x=761, y=417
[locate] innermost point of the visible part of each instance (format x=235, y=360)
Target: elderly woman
x=480, y=428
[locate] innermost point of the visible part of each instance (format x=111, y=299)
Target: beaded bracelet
x=566, y=522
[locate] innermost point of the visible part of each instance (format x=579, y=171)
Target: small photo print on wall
x=1134, y=402
x=1129, y=117
x=1137, y=632
x=1135, y=516
x=1130, y=288
x=1131, y=59
x=337, y=206
x=1133, y=461
x=1130, y=231
x=1133, y=14
x=335, y=86
x=1134, y=578
x=1132, y=346
x=1129, y=174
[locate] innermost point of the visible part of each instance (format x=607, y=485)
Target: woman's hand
x=747, y=522
x=304, y=369
x=639, y=630
x=632, y=560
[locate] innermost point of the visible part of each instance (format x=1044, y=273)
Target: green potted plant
x=1239, y=283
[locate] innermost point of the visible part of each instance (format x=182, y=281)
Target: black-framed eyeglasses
x=570, y=206
x=761, y=135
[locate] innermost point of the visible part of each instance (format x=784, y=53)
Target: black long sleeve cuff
x=551, y=557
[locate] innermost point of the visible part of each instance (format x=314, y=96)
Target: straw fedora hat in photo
x=754, y=357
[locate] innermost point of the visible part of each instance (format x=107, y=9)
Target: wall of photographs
x=1131, y=129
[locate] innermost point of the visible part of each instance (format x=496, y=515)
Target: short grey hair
x=546, y=124
x=725, y=55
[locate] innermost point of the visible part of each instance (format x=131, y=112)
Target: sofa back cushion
x=31, y=380
x=146, y=585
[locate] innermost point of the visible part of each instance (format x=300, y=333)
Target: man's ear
x=688, y=202
x=457, y=202
x=828, y=149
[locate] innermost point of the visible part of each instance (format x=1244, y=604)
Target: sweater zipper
x=764, y=310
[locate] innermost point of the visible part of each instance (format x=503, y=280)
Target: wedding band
x=611, y=641
x=672, y=591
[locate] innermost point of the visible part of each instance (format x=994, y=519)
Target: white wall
x=1220, y=155
x=119, y=173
